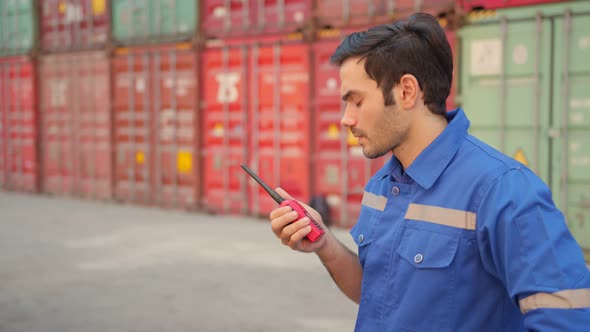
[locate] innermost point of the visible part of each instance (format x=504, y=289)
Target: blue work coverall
x=466, y=239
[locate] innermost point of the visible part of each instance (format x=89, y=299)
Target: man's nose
x=348, y=119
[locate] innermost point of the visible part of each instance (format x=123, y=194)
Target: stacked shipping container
x=75, y=121
x=524, y=79
x=73, y=24
x=19, y=164
x=18, y=125
x=162, y=121
x=74, y=98
x=156, y=125
x=155, y=91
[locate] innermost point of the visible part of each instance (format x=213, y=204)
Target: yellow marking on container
x=520, y=157
x=329, y=33
x=122, y=50
x=333, y=131
x=139, y=157
x=183, y=46
x=218, y=130
x=184, y=161
x=99, y=7
x=61, y=7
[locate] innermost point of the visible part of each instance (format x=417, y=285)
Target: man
x=452, y=234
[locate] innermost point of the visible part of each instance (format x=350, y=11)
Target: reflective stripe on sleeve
x=565, y=299
x=442, y=216
x=374, y=201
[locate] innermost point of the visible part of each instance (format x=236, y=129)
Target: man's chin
x=372, y=154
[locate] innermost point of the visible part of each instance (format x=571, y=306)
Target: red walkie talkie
x=316, y=230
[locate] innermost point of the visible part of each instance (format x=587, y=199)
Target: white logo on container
x=228, y=87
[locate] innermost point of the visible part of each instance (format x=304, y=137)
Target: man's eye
x=359, y=104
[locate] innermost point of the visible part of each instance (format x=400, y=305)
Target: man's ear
x=409, y=91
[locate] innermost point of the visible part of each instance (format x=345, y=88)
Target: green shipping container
x=17, y=27
x=525, y=84
x=571, y=119
x=146, y=21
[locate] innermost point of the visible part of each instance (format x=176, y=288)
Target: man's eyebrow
x=349, y=94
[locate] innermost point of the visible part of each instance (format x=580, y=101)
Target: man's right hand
x=293, y=232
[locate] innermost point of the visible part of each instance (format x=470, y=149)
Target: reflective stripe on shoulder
x=565, y=299
x=442, y=216
x=374, y=201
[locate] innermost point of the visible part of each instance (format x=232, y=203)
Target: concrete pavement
x=72, y=265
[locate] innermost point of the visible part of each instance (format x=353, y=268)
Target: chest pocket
x=428, y=250
x=362, y=232
x=425, y=280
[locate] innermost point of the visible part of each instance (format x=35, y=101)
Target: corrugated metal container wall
x=340, y=168
x=74, y=24
x=17, y=27
x=225, y=128
x=571, y=114
x=18, y=125
x=505, y=87
x=528, y=96
x=272, y=138
x=340, y=14
x=495, y=4
x=156, y=125
x=76, y=126
x=239, y=18
x=154, y=21
x=280, y=121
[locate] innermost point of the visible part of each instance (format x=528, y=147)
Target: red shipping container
x=338, y=13
x=76, y=125
x=247, y=17
x=280, y=122
x=74, y=24
x=156, y=126
x=469, y=5
x=18, y=125
x=225, y=119
x=272, y=138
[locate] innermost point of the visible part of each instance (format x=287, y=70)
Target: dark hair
x=417, y=46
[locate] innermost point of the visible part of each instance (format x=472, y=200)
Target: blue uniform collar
x=431, y=162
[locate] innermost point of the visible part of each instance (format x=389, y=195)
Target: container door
x=174, y=18
x=156, y=20
x=59, y=159
x=571, y=116
x=131, y=19
x=18, y=134
x=279, y=122
x=175, y=169
x=133, y=128
x=93, y=126
x=226, y=136
x=74, y=24
x=227, y=17
x=282, y=15
x=505, y=88
x=17, y=26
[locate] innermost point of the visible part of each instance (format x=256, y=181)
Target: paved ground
x=68, y=265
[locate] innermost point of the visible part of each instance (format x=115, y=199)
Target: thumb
x=283, y=193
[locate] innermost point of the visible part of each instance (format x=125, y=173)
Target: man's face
x=379, y=128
